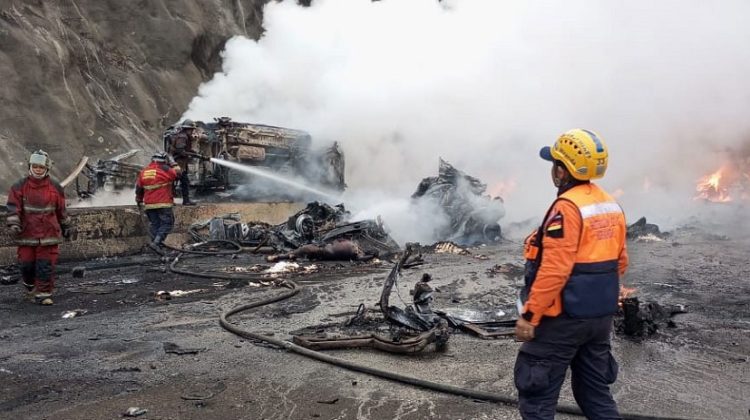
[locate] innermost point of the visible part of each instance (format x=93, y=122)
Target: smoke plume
x=485, y=84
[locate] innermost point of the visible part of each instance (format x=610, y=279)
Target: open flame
x=714, y=187
x=625, y=292
x=502, y=188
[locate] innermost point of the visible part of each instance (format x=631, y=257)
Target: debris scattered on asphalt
x=645, y=231
x=176, y=349
x=449, y=248
x=333, y=401
x=649, y=238
x=78, y=272
x=8, y=280
x=165, y=295
x=74, y=313
x=134, y=412
x=316, y=226
x=255, y=268
x=283, y=267
x=510, y=270
x=126, y=369
x=9, y=274
x=644, y=319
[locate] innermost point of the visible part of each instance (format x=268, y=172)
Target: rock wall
x=100, y=77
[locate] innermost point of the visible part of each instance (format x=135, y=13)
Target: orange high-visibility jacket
x=583, y=255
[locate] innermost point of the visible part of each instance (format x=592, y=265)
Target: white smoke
x=486, y=83
x=125, y=197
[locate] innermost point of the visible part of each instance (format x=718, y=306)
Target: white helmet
x=40, y=157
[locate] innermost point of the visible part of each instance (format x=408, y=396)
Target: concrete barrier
x=122, y=230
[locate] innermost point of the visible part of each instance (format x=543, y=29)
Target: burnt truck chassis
x=106, y=174
x=282, y=150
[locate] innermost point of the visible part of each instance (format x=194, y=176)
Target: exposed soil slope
x=104, y=76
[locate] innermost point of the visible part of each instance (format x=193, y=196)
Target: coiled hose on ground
x=381, y=373
x=435, y=386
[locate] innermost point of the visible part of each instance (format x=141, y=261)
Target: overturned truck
x=281, y=150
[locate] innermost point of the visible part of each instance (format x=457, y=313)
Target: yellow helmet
x=583, y=152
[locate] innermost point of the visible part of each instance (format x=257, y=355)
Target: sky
x=484, y=84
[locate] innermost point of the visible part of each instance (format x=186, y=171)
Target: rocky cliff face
x=100, y=77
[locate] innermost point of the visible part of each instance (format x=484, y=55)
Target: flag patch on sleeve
x=554, y=228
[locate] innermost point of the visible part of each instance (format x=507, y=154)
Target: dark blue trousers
x=161, y=222
x=184, y=185
x=582, y=344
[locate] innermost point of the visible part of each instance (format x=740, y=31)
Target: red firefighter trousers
x=37, y=264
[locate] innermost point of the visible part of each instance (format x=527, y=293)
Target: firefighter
x=153, y=192
x=574, y=261
x=180, y=145
x=38, y=220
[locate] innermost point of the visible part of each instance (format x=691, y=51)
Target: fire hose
x=347, y=364
x=381, y=373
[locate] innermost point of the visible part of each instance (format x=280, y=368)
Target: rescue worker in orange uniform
x=574, y=262
x=153, y=191
x=38, y=219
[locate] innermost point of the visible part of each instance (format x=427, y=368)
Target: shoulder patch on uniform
x=554, y=226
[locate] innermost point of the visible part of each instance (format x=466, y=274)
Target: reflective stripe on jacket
x=38, y=207
x=154, y=186
x=582, y=255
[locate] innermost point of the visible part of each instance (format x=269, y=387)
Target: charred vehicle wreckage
x=317, y=232
x=113, y=174
x=287, y=152
x=472, y=216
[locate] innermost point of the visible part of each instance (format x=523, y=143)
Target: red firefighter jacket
x=38, y=206
x=154, y=186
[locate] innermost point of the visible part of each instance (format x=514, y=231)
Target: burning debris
x=731, y=182
x=473, y=216
x=644, y=319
